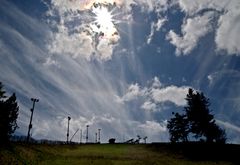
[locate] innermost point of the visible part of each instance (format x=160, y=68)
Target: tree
x=196, y=120
x=111, y=141
x=178, y=128
x=8, y=115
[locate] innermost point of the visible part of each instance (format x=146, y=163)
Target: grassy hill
x=120, y=154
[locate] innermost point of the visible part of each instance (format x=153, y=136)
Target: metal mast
x=30, y=124
x=69, y=118
x=87, y=134
x=99, y=130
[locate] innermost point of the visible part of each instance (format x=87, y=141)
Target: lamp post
x=87, y=134
x=96, y=137
x=69, y=118
x=30, y=124
x=99, y=130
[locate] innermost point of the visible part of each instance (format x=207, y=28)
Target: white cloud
x=79, y=33
x=78, y=44
x=155, y=26
x=156, y=83
x=152, y=5
x=82, y=35
x=192, y=30
x=75, y=5
x=226, y=37
x=79, y=5
x=160, y=23
x=149, y=106
x=105, y=50
x=193, y=7
x=155, y=94
x=172, y=94
x=194, y=27
x=133, y=92
x=154, y=127
x=149, y=38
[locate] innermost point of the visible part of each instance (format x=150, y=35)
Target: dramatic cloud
x=172, y=94
x=227, y=37
x=156, y=94
x=76, y=5
x=133, y=91
x=65, y=84
x=85, y=28
x=192, y=30
x=75, y=45
x=65, y=87
x=89, y=28
x=196, y=26
x=88, y=59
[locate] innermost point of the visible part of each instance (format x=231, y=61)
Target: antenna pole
x=30, y=124
x=99, y=130
x=69, y=118
x=87, y=134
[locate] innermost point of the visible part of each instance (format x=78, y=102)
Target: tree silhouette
x=8, y=115
x=197, y=121
x=178, y=128
x=111, y=141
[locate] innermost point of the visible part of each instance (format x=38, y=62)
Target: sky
x=122, y=66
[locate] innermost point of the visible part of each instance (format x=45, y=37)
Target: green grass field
x=104, y=154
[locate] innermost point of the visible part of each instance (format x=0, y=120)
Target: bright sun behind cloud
x=103, y=17
x=104, y=22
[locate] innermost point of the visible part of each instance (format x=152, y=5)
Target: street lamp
x=69, y=118
x=99, y=130
x=87, y=134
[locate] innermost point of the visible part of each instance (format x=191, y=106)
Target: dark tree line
x=8, y=115
x=196, y=121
